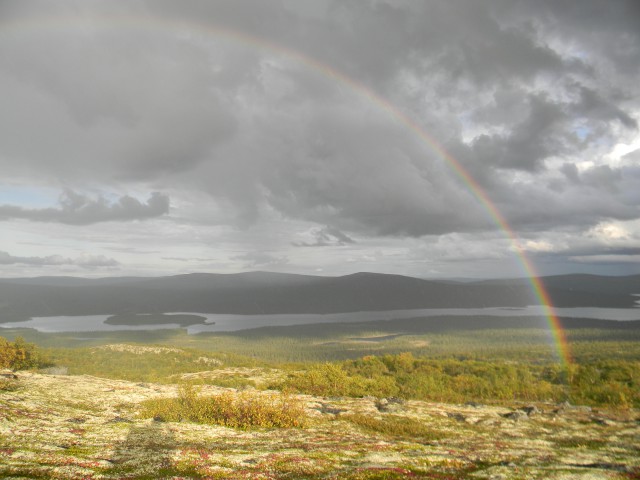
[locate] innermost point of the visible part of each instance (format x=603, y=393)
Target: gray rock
x=8, y=374
x=457, y=416
x=119, y=419
x=326, y=408
x=76, y=420
x=530, y=410
x=516, y=415
x=391, y=404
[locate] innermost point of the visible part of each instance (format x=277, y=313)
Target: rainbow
x=156, y=23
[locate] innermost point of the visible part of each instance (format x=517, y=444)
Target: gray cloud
x=141, y=105
x=324, y=237
x=251, y=111
x=85, y=261
x=78, y=209
x=256, y=128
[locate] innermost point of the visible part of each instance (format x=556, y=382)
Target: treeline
x=611, y=383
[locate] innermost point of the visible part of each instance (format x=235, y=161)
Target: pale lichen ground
x=84, y=427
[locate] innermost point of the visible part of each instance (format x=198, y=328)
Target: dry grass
x=393, y=426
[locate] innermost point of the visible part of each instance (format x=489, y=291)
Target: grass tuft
x=393, y=426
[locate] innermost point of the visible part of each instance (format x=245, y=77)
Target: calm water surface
x=228, y=323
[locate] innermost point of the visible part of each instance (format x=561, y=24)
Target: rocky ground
x=84, y=427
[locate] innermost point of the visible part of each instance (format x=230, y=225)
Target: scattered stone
x=583, y=408
x=8, y=374
x=530, y=410
x=565, y=404
x=516, y=415
x=391, y=404
x=579, y=408
x=326, y=408
x=474, y=404
x=603, y=421
x=15, y=399
x=605, y=466
x=457, y=416
x=76, y=420
x=119, y=419
x=38, y=435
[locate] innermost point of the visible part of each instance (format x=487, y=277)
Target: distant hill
x=270, y=293
x=570, y=290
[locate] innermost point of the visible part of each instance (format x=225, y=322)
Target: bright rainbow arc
x=155, y=23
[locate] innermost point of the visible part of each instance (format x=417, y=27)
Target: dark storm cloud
x=602, y=194
x=512, y=89
x=122, y=103
x=528, y=143
x=78, y=209
x=502, y=62
x=608, y=28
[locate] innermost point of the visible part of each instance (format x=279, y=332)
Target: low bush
x=19, y=355
x=8, y=385
x=603, y=383
x=239, y=410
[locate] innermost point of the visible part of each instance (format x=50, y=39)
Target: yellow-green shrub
x=19, y=355
x=327, y=379
x=239, y=410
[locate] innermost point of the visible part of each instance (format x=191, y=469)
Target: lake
x=216, y=322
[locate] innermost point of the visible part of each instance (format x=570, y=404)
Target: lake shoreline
x=198, y=322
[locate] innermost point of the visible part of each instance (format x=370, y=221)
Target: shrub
x=19, y=355
x=8, y=385
x=327, y=379
x=230, y=409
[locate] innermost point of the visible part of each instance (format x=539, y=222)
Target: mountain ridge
x=282, y=293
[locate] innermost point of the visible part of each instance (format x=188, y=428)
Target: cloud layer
x=275, y=125
x=78, y=209
x=85, y=261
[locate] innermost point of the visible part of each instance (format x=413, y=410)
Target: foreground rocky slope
x=85, y=427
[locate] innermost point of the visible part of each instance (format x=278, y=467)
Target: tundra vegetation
x=355, y=401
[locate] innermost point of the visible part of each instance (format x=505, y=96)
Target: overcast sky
x=172, y=136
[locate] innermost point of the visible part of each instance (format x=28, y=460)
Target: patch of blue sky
x=28, y=197
x=583, y=132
